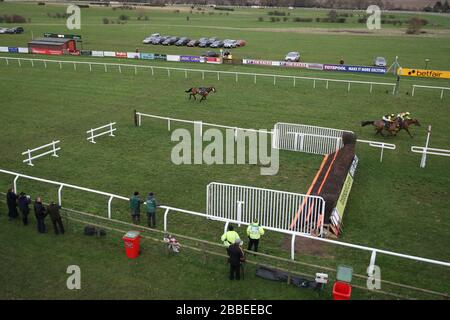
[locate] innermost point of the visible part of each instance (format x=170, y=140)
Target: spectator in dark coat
x=53, y=211
x=236, y=257
x=11, y=201
x=24, y=202
x=41, y=213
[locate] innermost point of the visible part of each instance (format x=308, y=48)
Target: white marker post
x=424, y=154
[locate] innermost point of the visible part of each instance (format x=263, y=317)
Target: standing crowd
x=23, y=201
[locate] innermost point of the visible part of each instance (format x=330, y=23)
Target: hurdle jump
x=54, y=149
x=93, y=135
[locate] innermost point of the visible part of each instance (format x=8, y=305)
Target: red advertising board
x=213, y=60
x=121, y=55
x=46, y=51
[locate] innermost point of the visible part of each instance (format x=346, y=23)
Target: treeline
x=439, y=7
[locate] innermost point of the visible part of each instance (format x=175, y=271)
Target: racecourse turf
x=394, y=205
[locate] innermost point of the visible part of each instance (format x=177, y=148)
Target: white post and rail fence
x=427, y=150
x=185, y=71
x=373, y=251
x=93, y=133
x=442, y=89
x=54, y=148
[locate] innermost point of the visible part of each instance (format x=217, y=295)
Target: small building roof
x=49, y=41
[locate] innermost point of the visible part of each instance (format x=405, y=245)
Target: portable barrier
x=429, y=87
x=380, y=145
x=185, y=71
x=426, y=150
x=53, y=151
x=309, y=139
x=272, y=208
x=92, y=135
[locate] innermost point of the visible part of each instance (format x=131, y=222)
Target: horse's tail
x=365, y=123
x=189, y=90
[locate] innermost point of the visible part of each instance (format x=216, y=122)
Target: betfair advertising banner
x=424, y=73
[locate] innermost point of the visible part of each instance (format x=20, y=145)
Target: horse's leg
x=407, y=130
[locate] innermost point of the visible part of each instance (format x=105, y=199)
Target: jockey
x=402, y=116
x=388, y=119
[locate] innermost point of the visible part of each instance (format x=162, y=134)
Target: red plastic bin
x=341, y=291
x=132, y=244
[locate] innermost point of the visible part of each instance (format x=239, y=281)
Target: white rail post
x=302, y=141
x=135, y=70
x=92, y=136
x=165, y=219
x=225, y=228
x=32, y=63
x=168, y=73
x=7, y=62
x=412, y=93
x=442, y=94
x=45, y=65
x=109, y=207
x=18, y=60
x=424, y=154
x=255, y=78
x=235, y=133
x=59, y=195
x=314, y=83
x=54, y=149
x=153, y=73
x=348, y=88
x=74, y=66
x=294, y=81
x=168, y=124
x=327, y=85
x=15, y=183
x=90, y=67
x=111, y=131
x=203, y=75
x=139, y=119
x=60, y=65
x=293, y=247
x=218, y=75
x=371, y=87
x=29, y=158
x=106, y=69
x=370, y=269
x=236, y=77
x=120, y=69
x=382, y=151
x=274, y=80
x=239, y=212
x=295, y=141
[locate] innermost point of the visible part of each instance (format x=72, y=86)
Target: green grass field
x=394, y=205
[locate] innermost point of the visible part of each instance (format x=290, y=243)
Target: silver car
x=292, y=56
x=380, y=62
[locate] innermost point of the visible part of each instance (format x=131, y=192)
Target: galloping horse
x=201, y=91
x=380, y=126
x=393, y=127
x=406, y=123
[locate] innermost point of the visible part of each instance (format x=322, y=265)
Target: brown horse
x=201, y=91
x=380, y=126
x=406, y=123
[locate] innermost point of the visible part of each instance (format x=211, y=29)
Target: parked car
x=292, y=56
x=217, y=44
x=229, y=43
x=170, y=41
x=204, y=42
x=159, y=40
x=150, y=38
x=14, y=30
x=182, y=41
x=380, y=62
x=193, y=43
x=240, y=43
x=212, y=54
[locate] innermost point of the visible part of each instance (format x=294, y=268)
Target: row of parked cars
x=156, y=38
x=11, y=30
